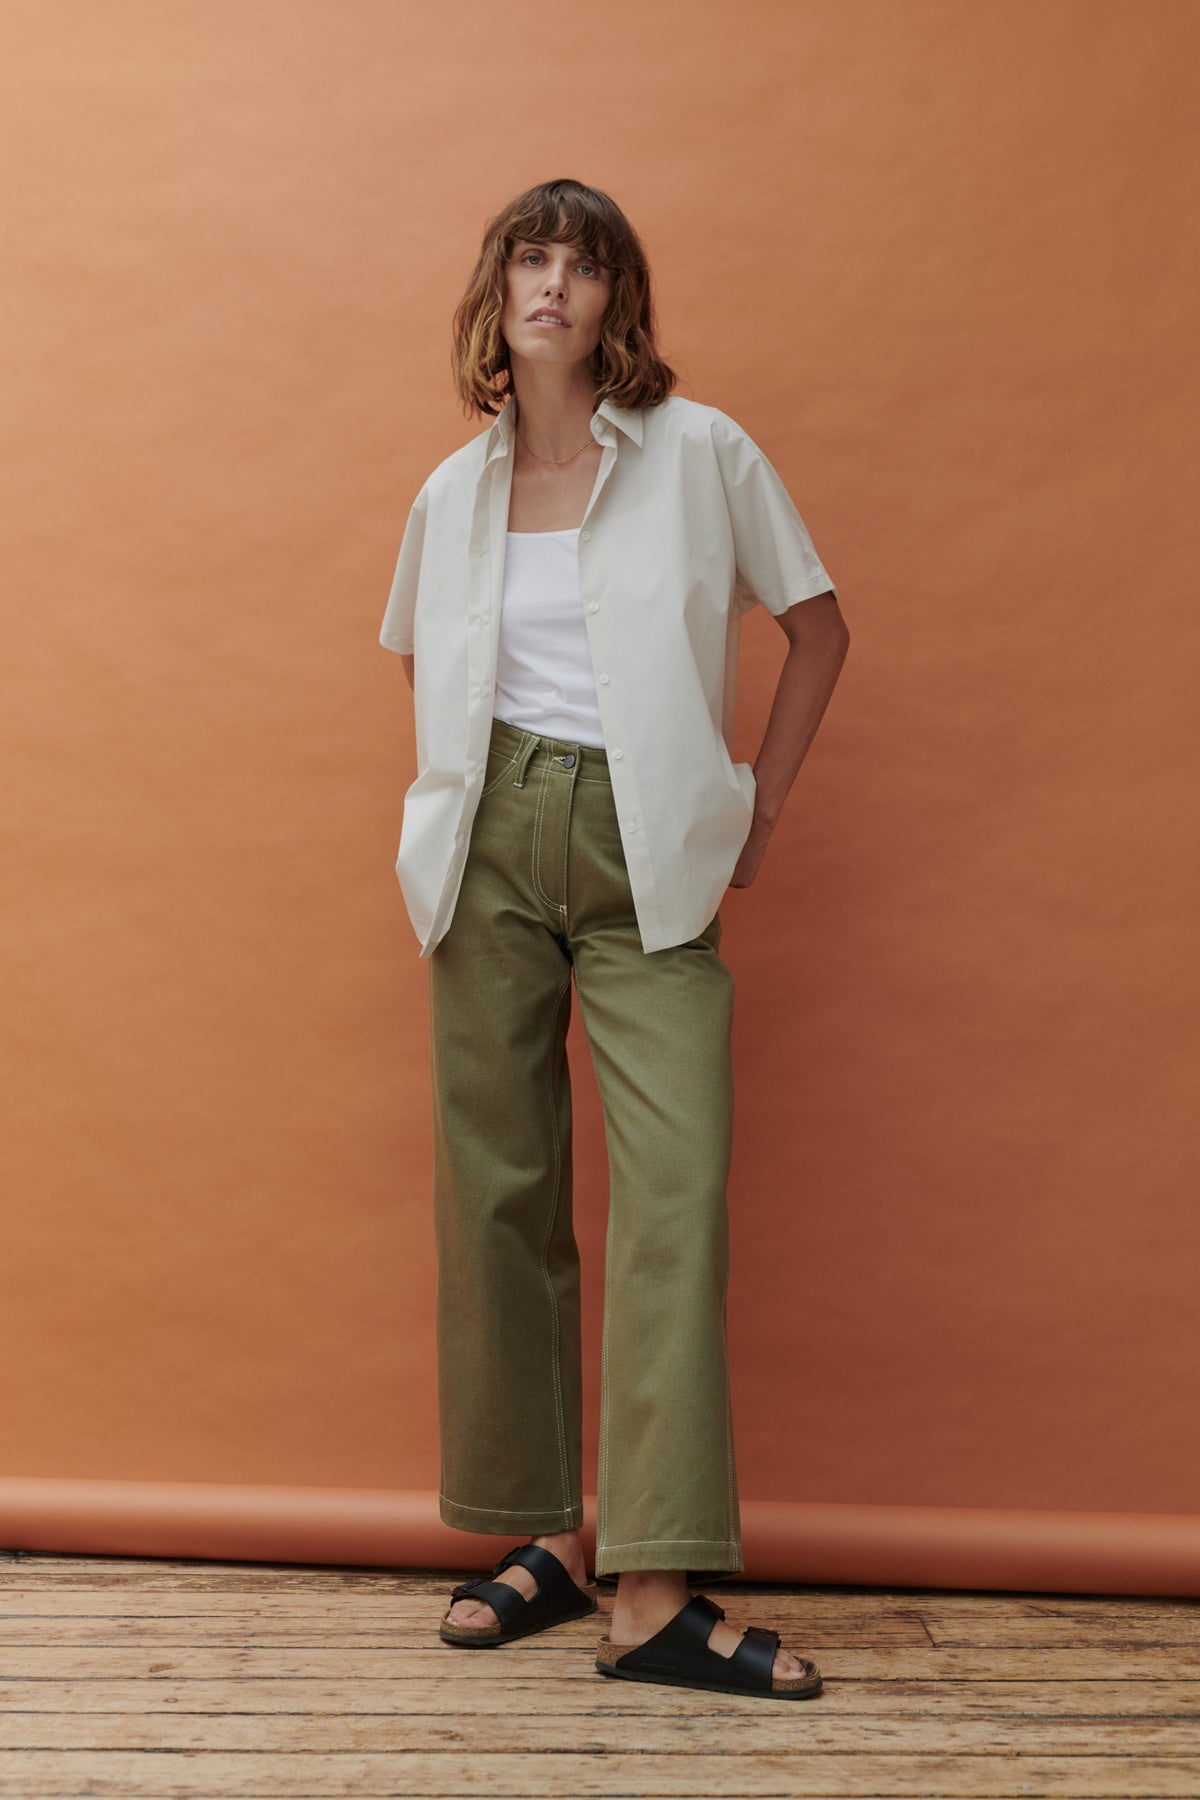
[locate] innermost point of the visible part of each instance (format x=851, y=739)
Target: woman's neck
x=553, y=421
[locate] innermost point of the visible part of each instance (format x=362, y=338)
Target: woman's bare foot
x=566, y=1545
x=648, y=1598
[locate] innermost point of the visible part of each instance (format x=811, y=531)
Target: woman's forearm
x=806, y=680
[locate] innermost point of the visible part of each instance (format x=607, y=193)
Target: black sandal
x=558, y=1599
x=679, y=1656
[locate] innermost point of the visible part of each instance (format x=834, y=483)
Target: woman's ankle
x=652, y=1587
x=566, y=1545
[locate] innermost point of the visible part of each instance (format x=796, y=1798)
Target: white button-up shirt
x=687, y=527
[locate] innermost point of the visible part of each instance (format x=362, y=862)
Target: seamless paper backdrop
x=940, y=261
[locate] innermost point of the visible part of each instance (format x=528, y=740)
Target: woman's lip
x=550, y=324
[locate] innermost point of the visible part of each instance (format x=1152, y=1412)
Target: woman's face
x=561, y=279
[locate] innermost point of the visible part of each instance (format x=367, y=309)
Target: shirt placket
x=488, y=528
x=597, y=613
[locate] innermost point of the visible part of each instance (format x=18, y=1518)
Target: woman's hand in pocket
x=753, y=850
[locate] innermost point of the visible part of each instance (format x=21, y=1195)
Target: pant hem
x=716, y=1554
x=496, y=1519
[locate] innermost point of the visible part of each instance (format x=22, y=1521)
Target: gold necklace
x=552, y=459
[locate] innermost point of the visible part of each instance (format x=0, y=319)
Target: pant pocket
x=506, y=764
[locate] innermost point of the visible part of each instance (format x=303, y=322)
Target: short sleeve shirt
x=688, y=526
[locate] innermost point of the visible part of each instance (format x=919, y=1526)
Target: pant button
x=568, y=761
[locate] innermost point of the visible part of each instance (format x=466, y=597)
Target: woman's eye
x=589, y=268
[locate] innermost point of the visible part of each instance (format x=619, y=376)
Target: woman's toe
x=470, y=1612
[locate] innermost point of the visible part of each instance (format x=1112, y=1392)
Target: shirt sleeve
x=776, y=561
x=396, y=632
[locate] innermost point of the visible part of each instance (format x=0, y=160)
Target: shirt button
x=586, y=536
x=593, y=606
x=604, y=678
x=618, y=754
x=633, y=824
x=476, y=549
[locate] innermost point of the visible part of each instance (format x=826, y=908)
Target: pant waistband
x=588, y=759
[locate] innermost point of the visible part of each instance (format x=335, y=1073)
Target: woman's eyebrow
x=542, y=243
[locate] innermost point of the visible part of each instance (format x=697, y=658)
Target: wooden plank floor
x=138, y=1678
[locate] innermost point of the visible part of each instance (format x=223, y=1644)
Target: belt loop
x=527, y=750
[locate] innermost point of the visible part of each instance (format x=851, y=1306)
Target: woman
x=566, y=602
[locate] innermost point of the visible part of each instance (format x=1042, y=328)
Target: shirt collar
x=628, y=419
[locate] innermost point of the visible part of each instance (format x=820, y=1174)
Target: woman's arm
x=408, y=667
x=818, y=638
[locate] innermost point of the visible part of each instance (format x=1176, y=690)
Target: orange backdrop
x=940, y=260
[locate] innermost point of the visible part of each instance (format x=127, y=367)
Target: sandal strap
x=557, y=1593
x=556, y=1590
x=755, y=1655
x=507, y=1603
x=681, y=1648
x=682, y=1643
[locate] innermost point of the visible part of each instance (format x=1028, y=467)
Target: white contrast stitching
x=558, y=1400
x=537, y=836
x=649, y=1543
x=518, y=1512
x=728, y=1412
x=562, y=904
x=497, y=779
x=602, y=1471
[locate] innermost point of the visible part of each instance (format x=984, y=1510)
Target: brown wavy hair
x=628, y=369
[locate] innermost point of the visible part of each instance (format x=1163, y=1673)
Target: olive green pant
x=545, y=892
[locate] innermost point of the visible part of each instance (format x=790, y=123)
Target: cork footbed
x=494, y=1631
x=809, y=1682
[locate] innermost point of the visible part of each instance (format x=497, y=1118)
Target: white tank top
x=544, y=676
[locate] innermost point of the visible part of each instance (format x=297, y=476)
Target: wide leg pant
x=545, y=893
